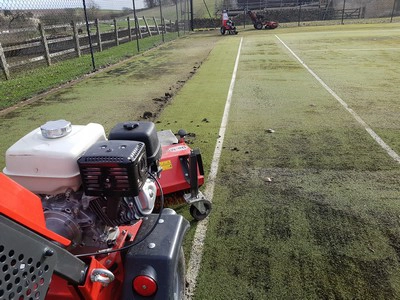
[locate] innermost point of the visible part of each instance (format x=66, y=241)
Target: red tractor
x=76, y=214
x=259, y=22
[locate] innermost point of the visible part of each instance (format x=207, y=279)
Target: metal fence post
x=177, y=18
x=162, y=22
x=299, y=20
x=45, y=45
x=137, y=26
x=3, y=63
x=191, y=15
x=344, y=6
x=393, y=9
x=89, y=36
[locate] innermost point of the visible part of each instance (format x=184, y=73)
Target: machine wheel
x=258, y=25
x=197, y=215
x=222, y=30
x=179, y=277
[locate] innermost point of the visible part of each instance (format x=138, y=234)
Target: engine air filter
x=114, y=168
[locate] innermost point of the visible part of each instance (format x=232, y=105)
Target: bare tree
x=151, y=3
x=16, y=17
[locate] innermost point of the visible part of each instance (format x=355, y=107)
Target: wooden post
x=147, y=25
x=138, y=28
x=3, y=63
x=98, y=34
x=45, y=45
x=116, y=33
x=129, y=29
x=155, y=24
x=76, y=39
x=170, y=26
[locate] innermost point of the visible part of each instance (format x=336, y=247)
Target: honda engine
x=89, y=184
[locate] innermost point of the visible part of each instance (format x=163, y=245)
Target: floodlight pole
x=89, y=36
x=136, y=25
x=188, y=12
x=162, y=23
x=299, y=20
x=191, y=16
x=177, y=17
x=394, y=7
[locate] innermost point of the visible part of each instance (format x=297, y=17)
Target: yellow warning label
x=166, y=164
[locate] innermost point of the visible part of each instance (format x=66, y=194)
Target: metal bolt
x=48, y=252
x=151, y=245
x=161, y=221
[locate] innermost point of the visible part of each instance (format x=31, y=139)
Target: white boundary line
x=201, y=229
x=372, y=133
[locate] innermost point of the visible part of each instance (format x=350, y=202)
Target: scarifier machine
x=227, y=25
x=259, y=22
x=76, y=213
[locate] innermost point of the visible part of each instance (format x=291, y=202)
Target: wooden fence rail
x=47, y=47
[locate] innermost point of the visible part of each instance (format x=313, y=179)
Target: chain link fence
x=39, y=33
x=299, y=12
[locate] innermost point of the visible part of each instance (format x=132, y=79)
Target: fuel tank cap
x=56, y=129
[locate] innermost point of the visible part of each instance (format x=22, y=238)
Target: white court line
x=201, y=229
x=372, y=133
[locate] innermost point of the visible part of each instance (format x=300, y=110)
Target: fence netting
x=40, y=33
x=297, y=12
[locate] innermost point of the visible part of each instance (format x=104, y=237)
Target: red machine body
x=227, y=25
x=25, y=208
x=175, y=162
x=81, y=226
x=259, y=22
x=182, y=173
x=73, y=278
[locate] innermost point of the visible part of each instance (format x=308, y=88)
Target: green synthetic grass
x=198, y=108
x=311, y=210
x=116, y=94
x=34, y=81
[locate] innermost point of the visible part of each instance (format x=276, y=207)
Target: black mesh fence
x=39, y=33
x=300, y=12
x=94, y=33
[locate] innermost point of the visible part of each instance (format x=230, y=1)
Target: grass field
x=310, y=211
x=307, y=210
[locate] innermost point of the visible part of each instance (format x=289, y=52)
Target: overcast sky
x=40, y=4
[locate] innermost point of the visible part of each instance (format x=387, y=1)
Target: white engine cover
x=49, y=166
